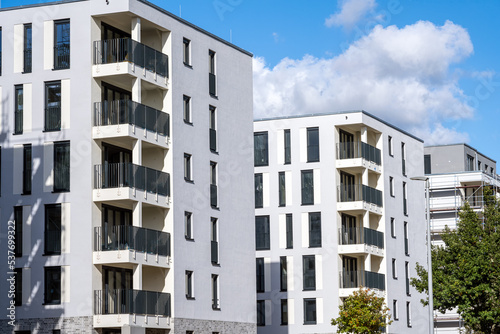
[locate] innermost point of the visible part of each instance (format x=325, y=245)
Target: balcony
x=352, y=280
x=121, y=243
x=126, y=50
x=144, y=308
x=357, y=155
x=120, y=118
x=61, y=56
x=361, y=240
x=119, y=181
x=358, y=197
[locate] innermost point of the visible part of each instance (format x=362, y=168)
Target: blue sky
x=428, y=66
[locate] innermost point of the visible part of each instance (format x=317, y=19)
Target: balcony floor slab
x=129, y=69
x=358, y=164
x=131, y=256
x=119, y=320
x=360, y=249
x=131, y=194
x=120, y=131
x=358, y=207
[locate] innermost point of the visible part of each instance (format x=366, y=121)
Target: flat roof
x=462, y=144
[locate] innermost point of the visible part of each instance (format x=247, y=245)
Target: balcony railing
x=61, y=56
x=215, y=251
x=358, y=149
x=52, y=242
x=125, y=49
x=53, y=119
x=27, y=60
x=359, y=192
x=115, y=175
x=133, y=113
x=358, y=278
x=18, y=121
x=363, y=235
x=128, y=301
x=123, y=237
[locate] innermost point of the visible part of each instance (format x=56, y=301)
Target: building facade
x=122, y=172
x=336, y=210
x=457, y=174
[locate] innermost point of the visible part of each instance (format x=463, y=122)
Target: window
x=391, y=185
x=407, y=277
x=405, y=201
x=188, y=225
x=212, y=82
x=61, y=166
x=27, y=161
x=312, y=144
x=215, y=292
x=309, y=311
x=309, y=272
x=61, y=44
x=260, y=274
x=288, y=148
x=189, y=285
x=52, y=229
x=394, y=269
x=18, y=109
x=479, y=165
x=213, y=129
x=18, y=220
x=213, y=184
x=259, y=191
x=260, y=144
x=315, y=229
x=18, y=298
x=214, y=236
x=284, y=312
x=187, y=167
x=407, y=246
x=261, y=312
x=283, y=276
x=470, y=163
x=187, y=109
x=189, y=332
x=262, y=236
x=307, y=187
x=289, y=231
x=393, y=228
x=53, y=106
x=395, y=313
x=427, y=164
x=408, y=314
x=391, y=148
x=491, y=170
x=186, y=51
x=52, y=285
x=27, y=47
x=403, y=158
x=282, y=188
x=56, y=331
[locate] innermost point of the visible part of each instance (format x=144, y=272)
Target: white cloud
x=351, y=12
x=401, y=75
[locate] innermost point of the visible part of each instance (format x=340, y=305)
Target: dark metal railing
x=18, y=121
x=27, y=60
x=115, y=175
x=61, y=56
x=128, y=301
x=357, y=278
x=359, y=192
x=133, y=113
x=358, y=149
x=125, y=49
x=122, y=237
x=27, y=181
x=212, y=84
x=361, y=235
x=53, y=119
x=52, y=242
x=215, y=251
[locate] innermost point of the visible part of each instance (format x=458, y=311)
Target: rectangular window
x=284, y=312
x=212, y=79
x=186, y=51
x=309, y=272
x=18, y=298
x=427, y=164
x=187, y=109
x=262, y=236
x=52, y=286
x=282, y=189
x=28, y=42
x=18, y=109
x=261, y=152
x=395, y=313
x=391, y=185
x=309, y=311
x=470, y=163
x=283, y=276
x=312, y=144
x=408, y=314
x=407, y=277
x=214, y=240
x=261, y=312
x=61, y=166
x=479, y=165
x=52, y=229
x=215, y=292
x=289, y=231
x=213, y=185
x=213, y=129
x=188, y=225
x=391, y=148
x=405, y=200
x=403, y=158
x=393, y=228
x=394, y=269
x=259, y=191
x=27, y=168
x=407, y=246
x=260, y=274
x=189, y=285
x=288, y=147
x=187, y=167
x=189, y=332
x=315, y=229
x=53, y=106
x=18, y=220
x=307, y=187
x=61, y=44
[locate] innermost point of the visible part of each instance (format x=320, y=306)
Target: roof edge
x=465, y=144
x=59, y=2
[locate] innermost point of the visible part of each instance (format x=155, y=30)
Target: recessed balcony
x=358, y=155
x=353, y=280
x=357, y=198
x=361, y=240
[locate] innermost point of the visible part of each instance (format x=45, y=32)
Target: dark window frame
x=259, y=190
x=261, y=313
x=261, y=148
x=62, y=167
x=287, y=147
x=284, y=312
x=283, y=274
x=52, y=229
x=212, y=128
x=264, y=230
x=18, y=109
x=309, y=272
x=188, y=176
x=186, y=108
x=62, y=47
x=289, y=230
x=310, y=302
x=188, y=225
x=53, y=106
x=307, y=187
x=50, y=297
x=186, y=51
x=314, y=229
x=27, y=168
x=260, y=275
x=18, y=222
x=27, y=48
x=281, y=189
x=313, y=151
x=189, y=284
x=18, y=298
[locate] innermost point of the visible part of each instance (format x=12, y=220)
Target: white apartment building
x=336, y=210
x=457, y=174
x=123, y=172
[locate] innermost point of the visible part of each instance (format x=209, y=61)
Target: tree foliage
x=362, y=313
x=466, y=271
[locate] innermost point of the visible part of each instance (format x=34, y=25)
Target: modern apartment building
x=457, y=174
x=122, y=172
x=336, y=210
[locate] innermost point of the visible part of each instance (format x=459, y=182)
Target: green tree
x=466, y=271
x=362, y=313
